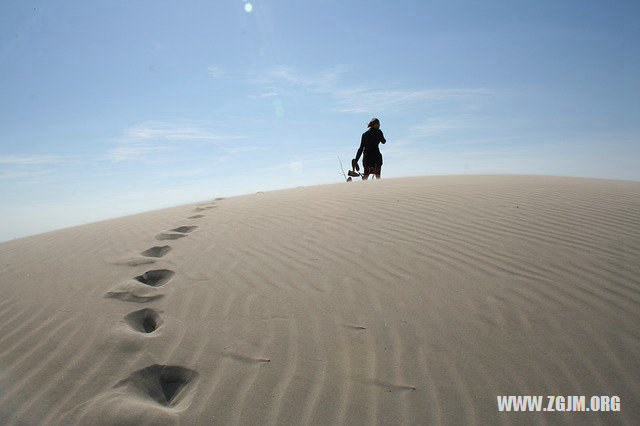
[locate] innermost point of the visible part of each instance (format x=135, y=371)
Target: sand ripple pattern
x=400, y=301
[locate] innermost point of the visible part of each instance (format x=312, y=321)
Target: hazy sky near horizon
x=111, y=108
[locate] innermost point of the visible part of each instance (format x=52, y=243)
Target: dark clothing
x=369, y=144
x=372, y=158
x=371, y=169
x=372, y=164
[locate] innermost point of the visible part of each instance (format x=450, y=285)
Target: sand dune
x=400, y=301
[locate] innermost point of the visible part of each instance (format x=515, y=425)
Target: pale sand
x=413, y=300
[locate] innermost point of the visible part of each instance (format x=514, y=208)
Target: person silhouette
x=371, y=156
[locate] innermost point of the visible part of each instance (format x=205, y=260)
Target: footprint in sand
x=157, y=392
x=184, y=229
x=134, y=292
x=164, y=236
x=156, y=277
x=156, y=251
x=168, y=385
x=131, y=295
x=149, y=256
x=196, y=216
x=135, y=261
x=175, y=233
x=144, y=320
x=203, y=208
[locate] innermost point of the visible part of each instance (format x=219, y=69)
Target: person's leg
x=366, y=170
x=365, y=173
x=378, y=169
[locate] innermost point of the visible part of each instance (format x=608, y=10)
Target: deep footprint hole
x=184, y=229
x=163, y=236
x=170, y=387
x=144, y=320
x=156, y=251
x=156, y=277
x=161, y=383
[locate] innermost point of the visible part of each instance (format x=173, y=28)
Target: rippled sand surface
x=399, y=301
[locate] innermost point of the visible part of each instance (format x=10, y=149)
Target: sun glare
x=248, y=7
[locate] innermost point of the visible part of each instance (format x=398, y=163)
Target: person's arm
x=359, y=153
x=382, y=139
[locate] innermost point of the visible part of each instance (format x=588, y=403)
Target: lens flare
x=248, y=7
x=278, y=107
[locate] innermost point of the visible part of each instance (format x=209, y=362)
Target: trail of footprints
x=170, y=386
x=174, y=234
x=165, y=384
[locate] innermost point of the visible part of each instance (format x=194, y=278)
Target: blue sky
x=111, y=108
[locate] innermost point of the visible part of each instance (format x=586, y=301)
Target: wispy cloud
x=445, y=132
x=439, y=125
x=22, y=173
x=298, y=165
x=144, y=140
x=287, y=80
x=322, y=80
x=400, y=148
x=30, y=159
x=23, y=167
x=361, y=98
x=27, y=166
x=271, y=94
x=179, y=130
x=130, y=151
x=215, y=71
